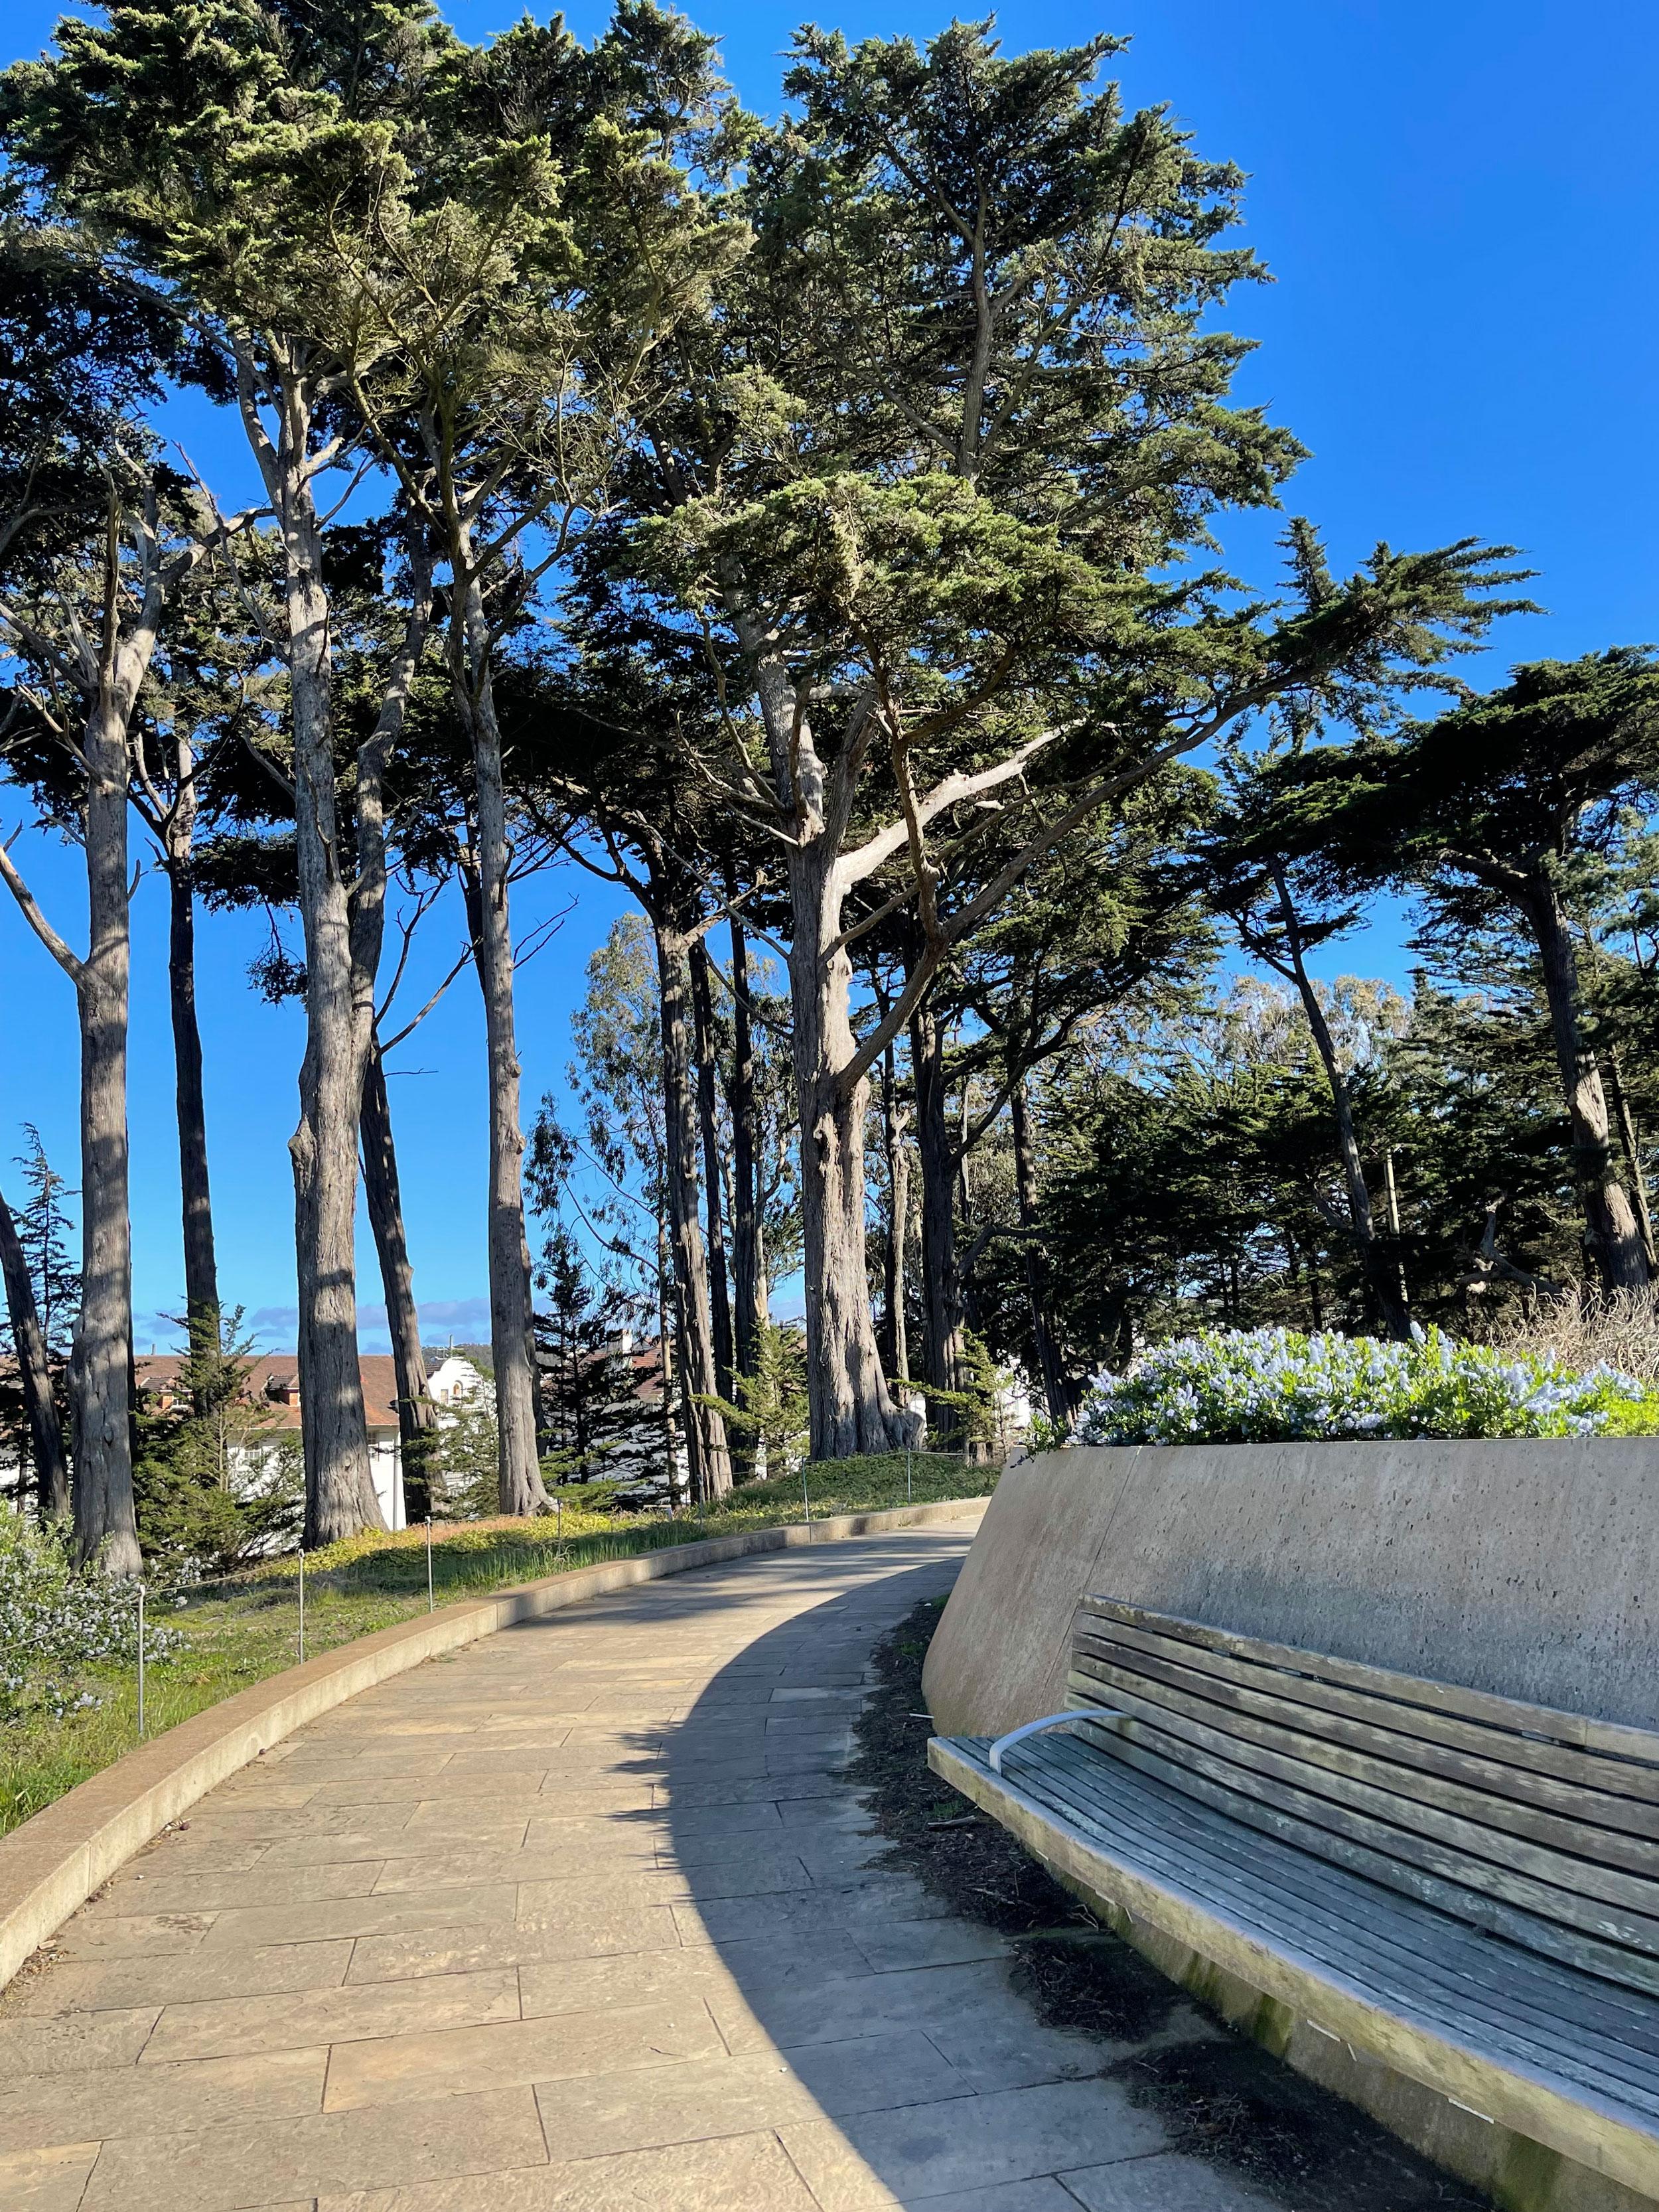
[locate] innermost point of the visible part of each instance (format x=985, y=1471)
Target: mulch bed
x=1221, y=2097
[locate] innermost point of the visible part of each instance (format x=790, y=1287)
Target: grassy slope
x=250, y=1630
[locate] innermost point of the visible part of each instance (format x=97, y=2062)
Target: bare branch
x=853, y=867
x=71, y=966
x=387, y=1044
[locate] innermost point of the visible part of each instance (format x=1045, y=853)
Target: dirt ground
x=1222, y=2097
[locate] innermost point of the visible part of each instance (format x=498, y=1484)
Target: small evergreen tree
x=44, y=1228
x=772, y=1409
x=588, y=1378
x=978, y=1410
x=217, y=1482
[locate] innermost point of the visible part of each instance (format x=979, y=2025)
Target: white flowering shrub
x=59, y=1626
x=1273, y=1386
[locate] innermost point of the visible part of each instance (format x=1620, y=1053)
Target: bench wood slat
x=1336, y=1905
x=1318, y=1878
x=1402, y=1957
x=1596, y=1940
x=1405, y=1980
x=1342, y=1717
x=1616, y=1777
x=1495, y=1827
x=1634, y=1750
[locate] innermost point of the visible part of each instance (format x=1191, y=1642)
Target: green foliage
x=1268, y=1386
x=239, y=140
x=463, y=1463
x=59, y=1625
x=573, y=1490
x=1531, y=776
x=772, y=1411
x=217, y=1482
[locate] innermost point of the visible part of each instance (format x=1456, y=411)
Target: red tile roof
x=273, y=1382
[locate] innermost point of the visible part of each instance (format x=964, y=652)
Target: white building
x=273, y=1383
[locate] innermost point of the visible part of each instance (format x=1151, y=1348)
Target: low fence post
x=806, y=1497
x=141, y=1662
x=302, y=1606
x=431, y=1601
x=909, y=1492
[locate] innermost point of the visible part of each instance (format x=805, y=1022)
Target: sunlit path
x=583, y=1917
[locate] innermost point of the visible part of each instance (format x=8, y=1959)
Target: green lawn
x=237, y=1634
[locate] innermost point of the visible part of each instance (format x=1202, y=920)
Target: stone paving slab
x=334, y=2016
x=1166, y=2183
x=51, y=2180
x=585, y=1918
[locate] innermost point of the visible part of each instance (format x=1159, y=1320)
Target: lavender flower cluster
x=59, y=1626
x=1274, y=1385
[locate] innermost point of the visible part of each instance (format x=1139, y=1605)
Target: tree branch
x=72, y=967
x=854, y=867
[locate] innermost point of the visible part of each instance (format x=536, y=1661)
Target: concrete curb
x=55, y=1861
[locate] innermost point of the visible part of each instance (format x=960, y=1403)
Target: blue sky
x=1456, y=203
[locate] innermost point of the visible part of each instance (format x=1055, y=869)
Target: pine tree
x=46, y=1228
x=217, y=1483
x=36, y=1324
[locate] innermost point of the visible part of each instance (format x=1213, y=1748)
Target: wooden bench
x=1464, y=1886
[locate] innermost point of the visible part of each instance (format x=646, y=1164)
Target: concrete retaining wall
x=54, y=1862
x=1525, y=1567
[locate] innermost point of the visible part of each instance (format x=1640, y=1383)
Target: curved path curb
x=55, y=1861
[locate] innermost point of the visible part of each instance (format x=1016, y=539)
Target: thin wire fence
x=457, y=1559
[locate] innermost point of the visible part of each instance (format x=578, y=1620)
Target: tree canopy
x=809, y=524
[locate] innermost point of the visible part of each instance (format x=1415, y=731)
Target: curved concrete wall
x=1527, y=1567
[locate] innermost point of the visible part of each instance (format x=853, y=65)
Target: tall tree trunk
x=748, y=1301
x=1056, y=1395
x=665, y=1301
x=201, y=1266
x=1619, y=1097
x=511, y=1318
x=340, y=1498
x=851, y=1409
x=702, y=1015
x=100, y=1364
x=707, y=1456
x=1612, y=1229
x=46, y=1431
x=1383, y=1277
x=967, y=1290
x=416, y=1415
x=1624, y=1119
x=895, y=1346
x=942, y=1345
x=102, y=1392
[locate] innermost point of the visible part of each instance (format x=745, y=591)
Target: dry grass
x=1585, y=1327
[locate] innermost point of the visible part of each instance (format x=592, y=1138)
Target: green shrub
x=216, y=1481
x=59, y=1626
x=1271, y=1385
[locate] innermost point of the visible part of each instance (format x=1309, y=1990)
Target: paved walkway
x=579, y=1919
